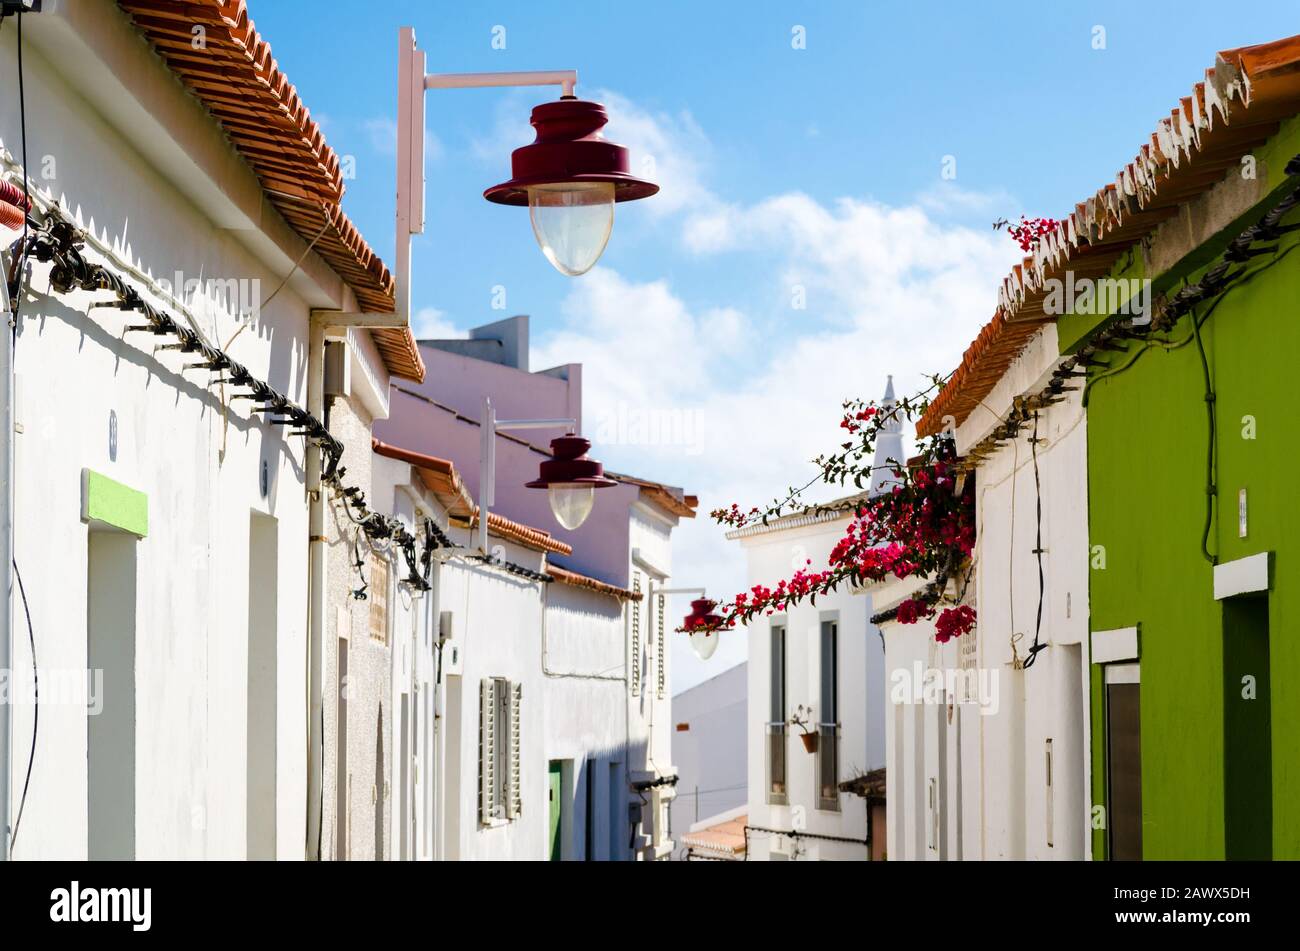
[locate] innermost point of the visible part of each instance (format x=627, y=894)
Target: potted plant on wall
x=802, y=718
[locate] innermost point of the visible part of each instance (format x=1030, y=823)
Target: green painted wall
x=1147, y=440
x=108, y=502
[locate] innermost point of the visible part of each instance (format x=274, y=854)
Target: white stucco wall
x=993, y=798
x=772, y=555
x=398, y=491
x=711, y=753
x=358, y=791
x=587, y=725
x=496, y=622
x=172, y=439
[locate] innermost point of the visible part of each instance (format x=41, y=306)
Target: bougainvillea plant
x=1028, y=232
x=921, y=525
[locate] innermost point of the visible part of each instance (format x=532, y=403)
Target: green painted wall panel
x=111, y=503
x=1147, y=434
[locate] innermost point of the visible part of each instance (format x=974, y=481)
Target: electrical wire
x=19, y=263
x=36, y=708
x=1211, y=489
x=1038, y=549
x=1210, y=397
x=1171, y=345
x=296, y=264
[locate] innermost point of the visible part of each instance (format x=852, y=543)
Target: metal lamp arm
x=487, y=460
x=654, y=591
x=412, y=82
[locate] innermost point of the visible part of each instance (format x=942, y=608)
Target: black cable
x=36, y=709
x=1038, y=548
x=1211, y=489
x=13, y=330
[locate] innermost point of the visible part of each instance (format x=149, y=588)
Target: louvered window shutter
x=661, y=665
x=487, y=779
x=634, y=676
x=514, y=797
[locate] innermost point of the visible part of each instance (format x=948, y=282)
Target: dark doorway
x=1247, y=731
x=1124, y=769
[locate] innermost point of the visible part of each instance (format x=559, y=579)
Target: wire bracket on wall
x=57, y=242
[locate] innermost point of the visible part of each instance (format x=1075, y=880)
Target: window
x=500, y=794
x=828, y=746
x=378, y=595
x=776, y=790
x=634, y=676
x=1124, y=761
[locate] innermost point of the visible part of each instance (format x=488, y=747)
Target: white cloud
x=889, y=289
x=381, y=131
x=429, y=323
x=668, y=149
x=948, y=198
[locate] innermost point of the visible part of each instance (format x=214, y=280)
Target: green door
x=555, y=774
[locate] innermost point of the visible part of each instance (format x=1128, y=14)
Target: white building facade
x=160, y=525
x=710, y=748
x=988, y=758
x=583, y=650
x=823, y=664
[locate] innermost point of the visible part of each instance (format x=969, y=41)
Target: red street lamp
x=570, y=480
x=702, y=627
x=570, y=179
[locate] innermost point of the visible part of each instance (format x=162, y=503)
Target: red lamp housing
x=701, y=624
x=570, y=466
x=571, y=480
x=702, y=615
x=569, y=149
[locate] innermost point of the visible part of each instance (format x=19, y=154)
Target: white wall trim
x=645, y=564
x=1123, y=674
x=1120, y=644
x=653, y=515
x=1242, y=576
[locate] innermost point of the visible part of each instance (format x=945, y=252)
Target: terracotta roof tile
x=565, y=576
x=237, y=79
x=1244, y=96
x=668, y=497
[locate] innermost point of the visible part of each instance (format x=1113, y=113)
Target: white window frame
x=661, y=663
x=634, y=673
x=500, y=762
x=828, y=727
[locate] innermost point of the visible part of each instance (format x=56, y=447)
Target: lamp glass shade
x=704, y=643
x=571, y=502
x=572, y=222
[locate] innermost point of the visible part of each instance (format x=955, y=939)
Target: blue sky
x=782, y=168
